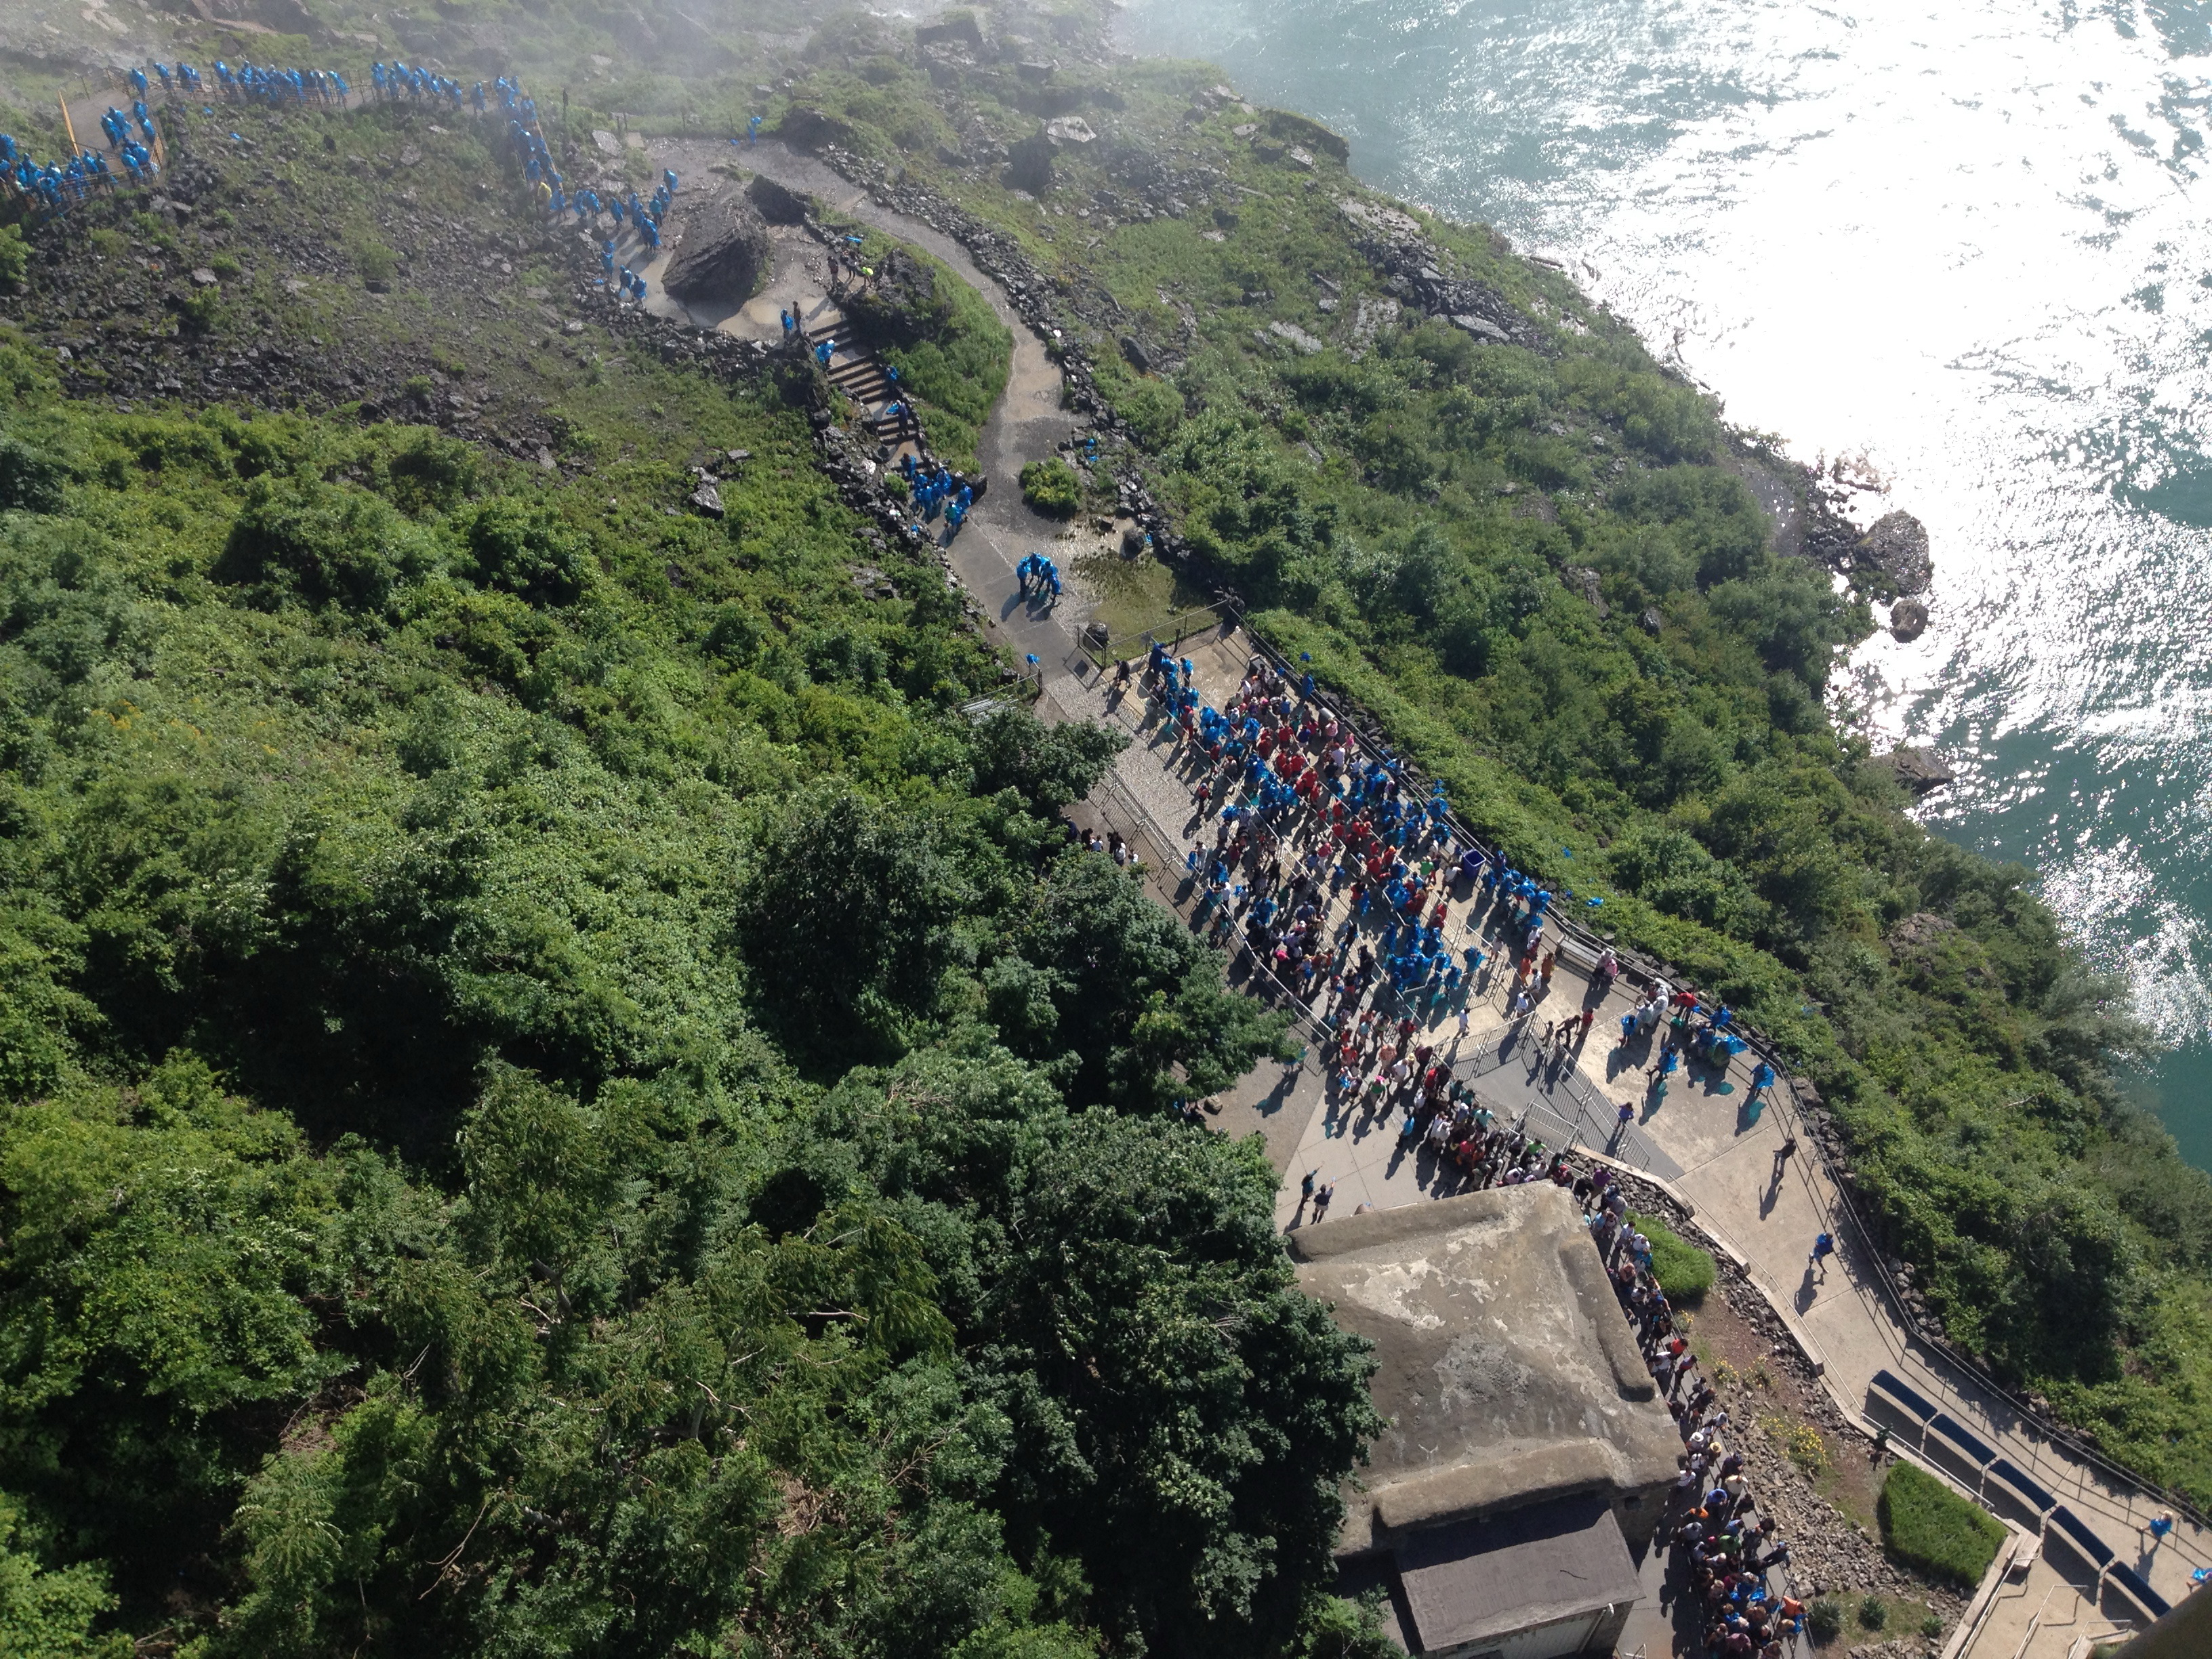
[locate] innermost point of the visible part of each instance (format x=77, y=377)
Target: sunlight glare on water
x=1967, y=244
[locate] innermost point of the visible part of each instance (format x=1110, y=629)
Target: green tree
x=844, y=914
x=1180, y=1413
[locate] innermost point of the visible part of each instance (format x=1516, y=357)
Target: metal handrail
x=1172, y=630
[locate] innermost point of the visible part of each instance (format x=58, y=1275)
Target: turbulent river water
x=1963, y=248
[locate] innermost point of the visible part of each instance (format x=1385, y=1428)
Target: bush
x=377, y=263
x=1683, y=1272
x=1926, y=1525
x=14, y=257
x=200, y=313
x=305, y=540
x=1825, y=1618
x=1874, y=1612
x=1050, y=487
x=28, y=480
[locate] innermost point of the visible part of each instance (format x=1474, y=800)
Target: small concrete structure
x=1527, y=1454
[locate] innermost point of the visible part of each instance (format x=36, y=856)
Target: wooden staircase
x=860, y=376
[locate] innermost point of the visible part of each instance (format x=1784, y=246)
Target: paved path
x=1718, y=1155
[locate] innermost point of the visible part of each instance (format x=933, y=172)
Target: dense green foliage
x=557, y=1096
x=1545, y=568
x=1928, y=1526
x=1683, y=1272
x=446, y=903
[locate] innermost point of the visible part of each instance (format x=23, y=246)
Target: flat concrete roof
x=1477, y=1581
x=1505, y=1368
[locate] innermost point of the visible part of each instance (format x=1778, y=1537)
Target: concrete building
x=1529, y=1457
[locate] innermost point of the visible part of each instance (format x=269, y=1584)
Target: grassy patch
x=1926, y=1525
x=1683, y=1272
x=956, y=364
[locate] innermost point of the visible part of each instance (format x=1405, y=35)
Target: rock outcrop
x=1908, y=620
x=901, y=305
x=1029, y=164
x=1896, y=548
x=777, y=204
x=1917, y=771
x=724, y=254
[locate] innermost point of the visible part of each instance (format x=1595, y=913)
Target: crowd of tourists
x=1301, y=815
x=131, y=137
x=1342, y=877
x=1724, y=1548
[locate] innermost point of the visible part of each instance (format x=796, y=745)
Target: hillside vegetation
x=1539, y=559
x=561, y=1092
x=561, y=1095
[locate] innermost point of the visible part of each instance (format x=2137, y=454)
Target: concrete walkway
x=1717, y=1154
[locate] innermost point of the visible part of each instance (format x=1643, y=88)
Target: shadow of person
x=1807, y=1289
x=1629, y=1056
x=1771, y=1196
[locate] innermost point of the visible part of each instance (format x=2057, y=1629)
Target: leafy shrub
x=1825, y=1618
x=1050, y=487
x=1153, y=409
x=1926, y=1525
x=225, y=269
x=430, y=471
x=1051, y=766
x=1800, y=1443
x=306, y=541
x=526, y=551
x=1874, y=1612
x=200, y=312
x=28, y=480
x=1335, y=1628
x=377, y=263
x=1683, y=1272
x=52, y=1614
x=14, y=257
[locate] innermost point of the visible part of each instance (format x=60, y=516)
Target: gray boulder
x=1908, y=620
x=1581, y=579
x=1028, y=165
x=724, y=255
